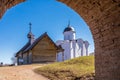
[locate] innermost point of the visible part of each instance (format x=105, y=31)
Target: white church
x=71, y=46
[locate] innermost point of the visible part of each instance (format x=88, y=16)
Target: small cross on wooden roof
x=30, y=24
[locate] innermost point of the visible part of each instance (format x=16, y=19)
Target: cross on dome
x=30, y=26
x=69, y=23
x=69, y=28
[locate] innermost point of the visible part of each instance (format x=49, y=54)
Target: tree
x=13, y=59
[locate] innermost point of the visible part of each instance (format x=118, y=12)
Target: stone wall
x=6, y=4
x=103, y=18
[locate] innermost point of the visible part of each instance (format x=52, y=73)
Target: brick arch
x=103, y=18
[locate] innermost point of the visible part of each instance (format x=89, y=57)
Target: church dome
x=30, y=35
x=69, y=29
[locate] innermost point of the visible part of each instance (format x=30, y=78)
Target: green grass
x=74, y=69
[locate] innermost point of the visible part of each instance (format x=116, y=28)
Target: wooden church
x=40, y=50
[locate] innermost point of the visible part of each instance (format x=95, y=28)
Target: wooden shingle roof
x=29, y=46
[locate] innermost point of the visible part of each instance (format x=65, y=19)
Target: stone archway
x=6, y=4
x=103, y=18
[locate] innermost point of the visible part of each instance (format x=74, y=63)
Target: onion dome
x=30, y=34
x=69, y=28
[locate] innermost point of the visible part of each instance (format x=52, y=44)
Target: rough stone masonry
x=103, y=18
x=6, y=4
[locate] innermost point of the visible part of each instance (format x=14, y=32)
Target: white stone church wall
x=84, y=50
x=66, y=47
x=77, y=50
x=59, y=57
x=59, y=42
x=86, y=46
x=69, y=35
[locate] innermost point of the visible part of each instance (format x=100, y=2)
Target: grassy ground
x=81, y=68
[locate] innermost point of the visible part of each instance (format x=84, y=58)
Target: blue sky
x=46, y=16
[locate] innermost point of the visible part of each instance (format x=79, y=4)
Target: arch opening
x=103, y=19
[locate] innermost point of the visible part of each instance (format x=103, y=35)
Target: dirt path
x=20, y=73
